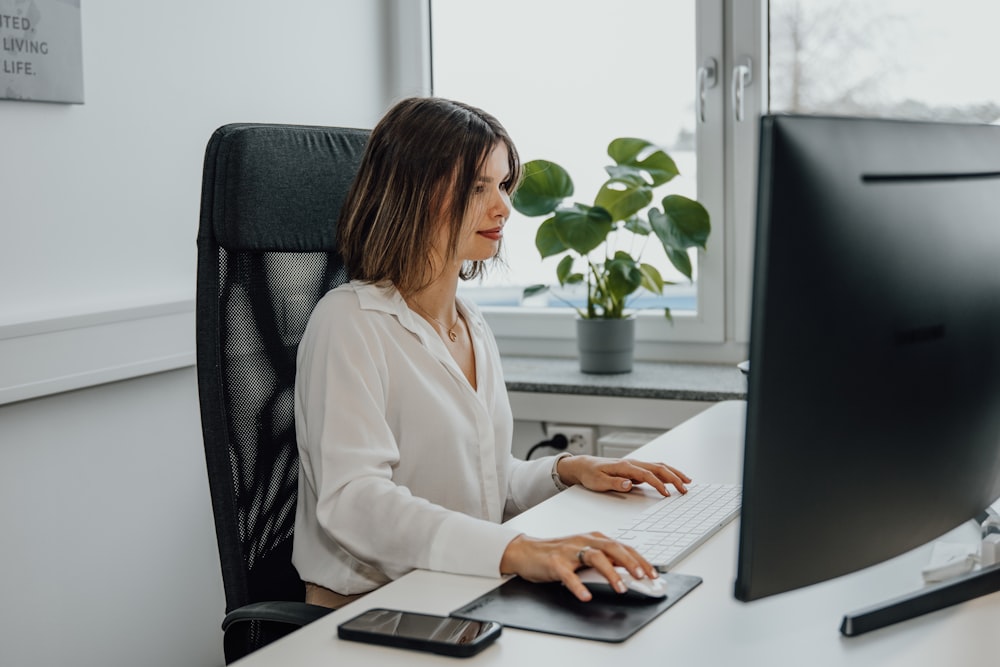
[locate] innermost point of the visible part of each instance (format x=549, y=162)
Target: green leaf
x=627, y=172
x=624, y=196
x=661, y=167
x=545, y=185
x=532, y=290
x=686, y=225
x=638, y=225
x=681, y=261
x=564, y=268
x=651, y=278
x=624, y=275
x=574, y=279
x=683, y=224
x=582, y=228
x=547, y=240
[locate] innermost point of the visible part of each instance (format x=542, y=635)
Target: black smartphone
x=424, y=632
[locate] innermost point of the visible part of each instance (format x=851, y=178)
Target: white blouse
x=403, y=464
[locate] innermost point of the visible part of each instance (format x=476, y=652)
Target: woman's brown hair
x=425, y=152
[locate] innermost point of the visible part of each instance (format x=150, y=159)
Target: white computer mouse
x=636, y=588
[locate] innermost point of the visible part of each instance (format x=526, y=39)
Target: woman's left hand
x=604, y=474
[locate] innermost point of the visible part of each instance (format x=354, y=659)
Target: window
x=554, y=73
x=894, y=58
x=566, y=77
x=565, y=89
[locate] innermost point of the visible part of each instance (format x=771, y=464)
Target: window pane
x=894, y=58
x=565, y=77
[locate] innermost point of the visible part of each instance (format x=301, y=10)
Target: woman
x=402, y=415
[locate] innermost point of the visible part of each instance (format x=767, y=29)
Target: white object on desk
x=678, y=524
x=948, y=560
x=647, y=588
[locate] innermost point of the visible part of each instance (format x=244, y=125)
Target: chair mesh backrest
x=271, y=195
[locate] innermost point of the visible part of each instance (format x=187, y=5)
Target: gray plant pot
x=606, y=346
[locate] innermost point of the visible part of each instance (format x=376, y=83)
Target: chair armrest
x=281, y=611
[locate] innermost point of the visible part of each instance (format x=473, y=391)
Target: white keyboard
x=674, y=527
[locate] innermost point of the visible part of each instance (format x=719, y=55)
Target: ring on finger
x=581, y=553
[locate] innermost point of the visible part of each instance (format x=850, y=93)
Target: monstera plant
x=597, y=238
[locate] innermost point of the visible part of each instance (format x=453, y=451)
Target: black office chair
x=271, y=195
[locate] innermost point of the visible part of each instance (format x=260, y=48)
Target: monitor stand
x=945, y=594
x=965, y=587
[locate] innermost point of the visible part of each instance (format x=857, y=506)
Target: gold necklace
x=452, y=335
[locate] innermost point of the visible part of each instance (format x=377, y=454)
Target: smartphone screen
x=440, y=634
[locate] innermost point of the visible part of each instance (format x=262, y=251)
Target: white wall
x=109, y=553
x=95, y=193
x=606, y=414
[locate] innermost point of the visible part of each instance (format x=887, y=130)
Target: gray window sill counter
x=669, y=381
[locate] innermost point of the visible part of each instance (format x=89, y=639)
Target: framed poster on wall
x=41, y=51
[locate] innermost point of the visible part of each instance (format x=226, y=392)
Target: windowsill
x=659, y=380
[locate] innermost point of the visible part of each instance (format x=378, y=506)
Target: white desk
x=708, y=627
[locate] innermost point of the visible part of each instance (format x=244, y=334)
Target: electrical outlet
x=580, y=438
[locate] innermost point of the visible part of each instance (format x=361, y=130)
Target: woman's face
x=487, y=213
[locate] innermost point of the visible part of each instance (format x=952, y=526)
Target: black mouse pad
x=551, y=608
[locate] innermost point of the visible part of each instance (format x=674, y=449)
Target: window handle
x=708, y=77
x=742, y=77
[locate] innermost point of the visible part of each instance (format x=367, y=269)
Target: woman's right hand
x=558, y=559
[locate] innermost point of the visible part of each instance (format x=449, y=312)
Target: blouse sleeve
x=531, y=482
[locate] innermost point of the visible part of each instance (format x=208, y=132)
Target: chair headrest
x=278, y=188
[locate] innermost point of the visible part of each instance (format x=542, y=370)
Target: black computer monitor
x=873, y=414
